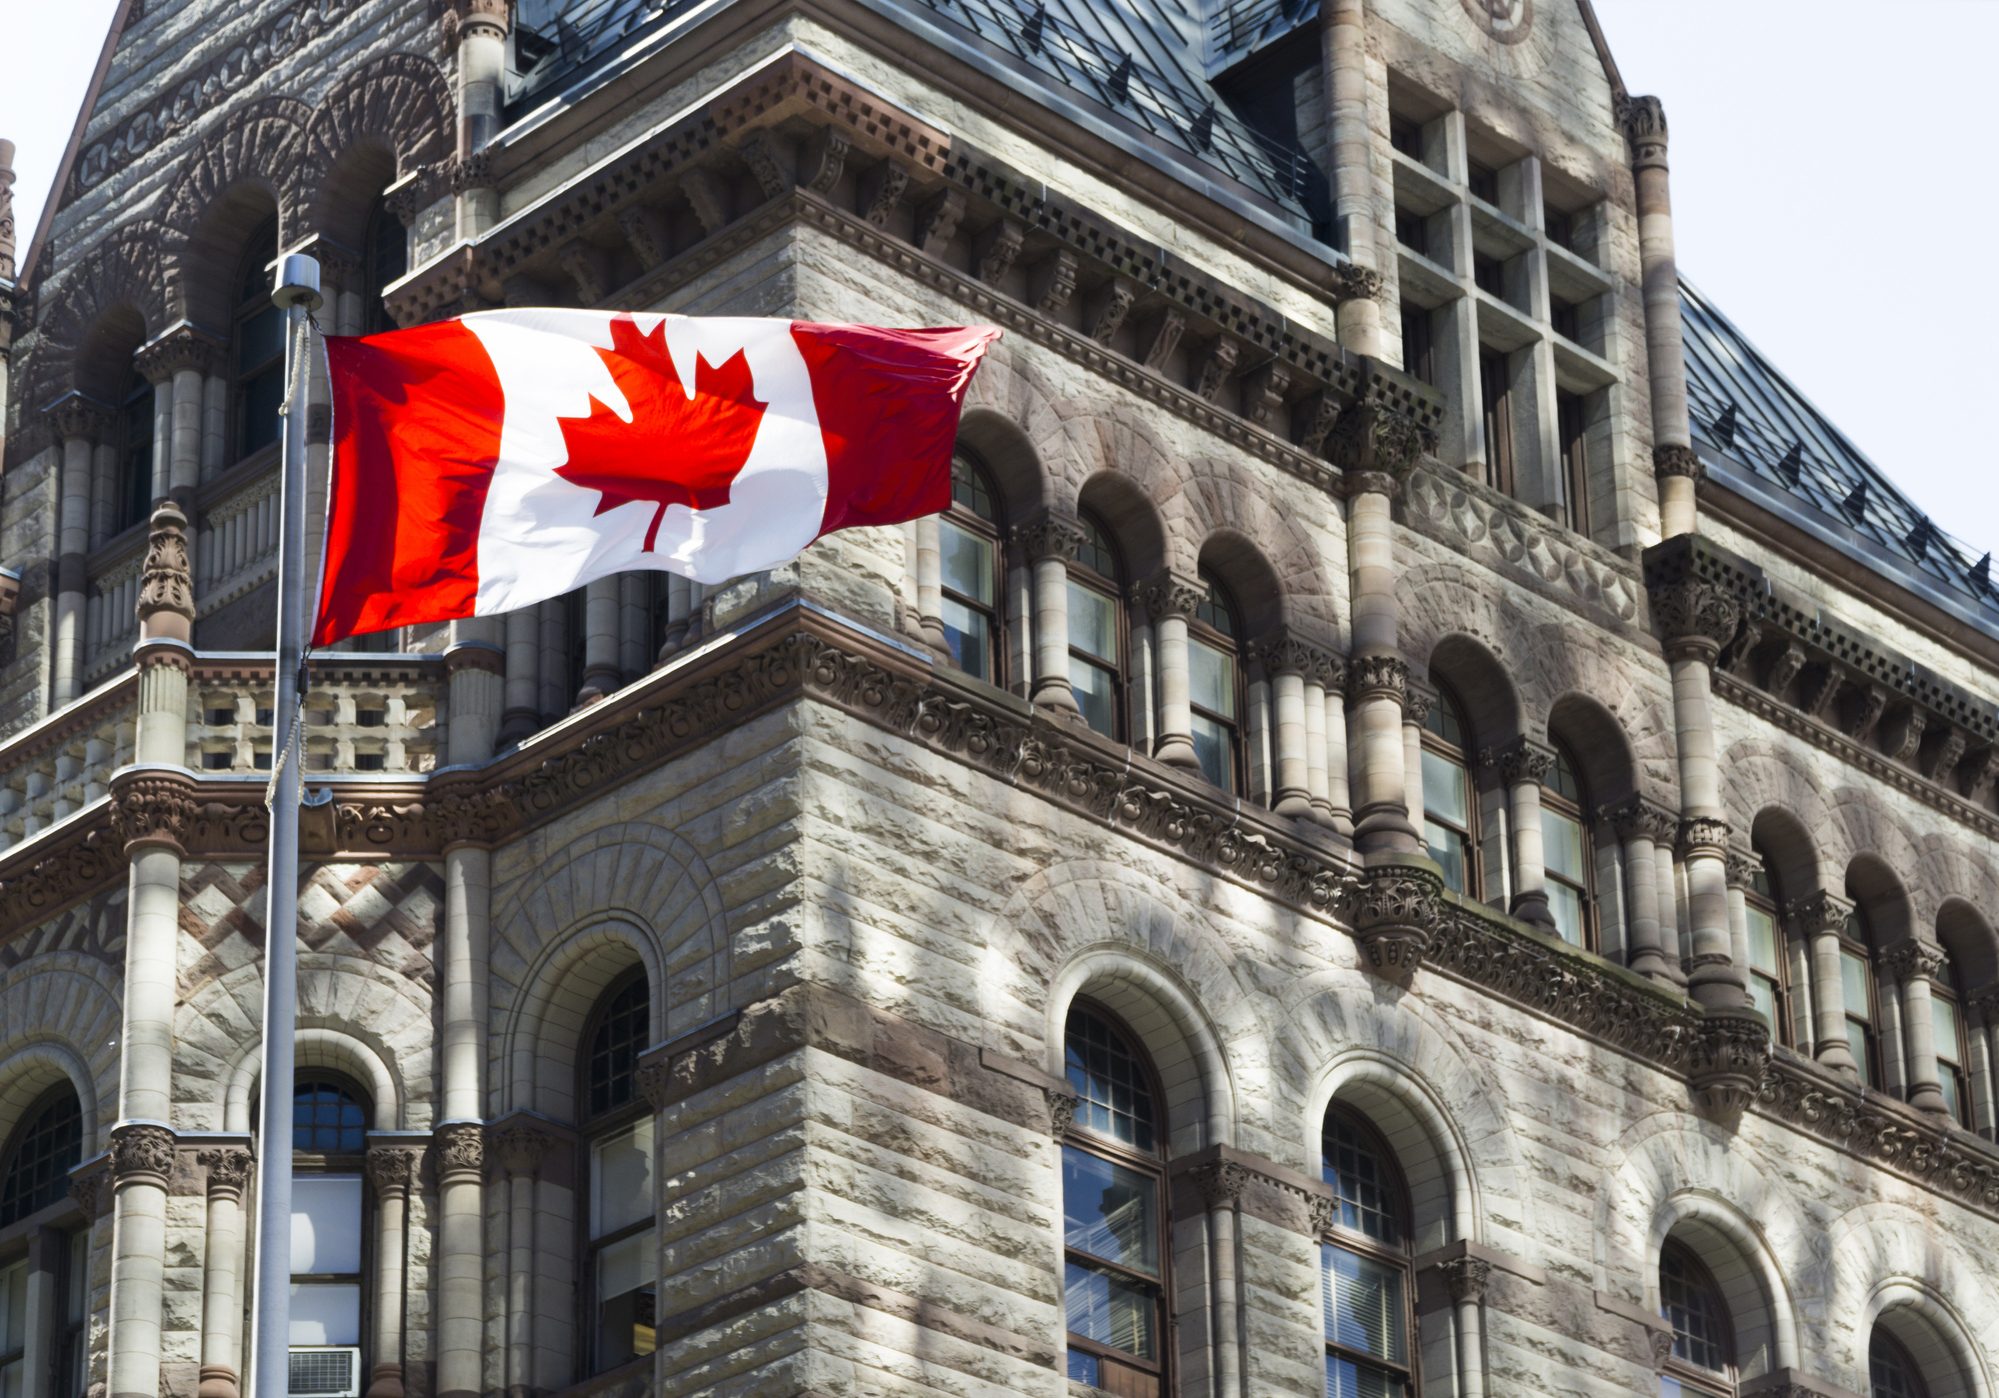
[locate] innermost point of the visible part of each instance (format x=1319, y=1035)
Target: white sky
x=1820, y=186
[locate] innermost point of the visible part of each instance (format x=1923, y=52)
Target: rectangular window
x=1447, y=818
x=970, y=597
x=1572, y=422
x=1483, y=181
x=1565, y=318
x=1950, y=1071
x=1364, y=1305
x=1412, y=230
x=1496, y=394
x=1561, y=226
x=1419, y=351
x=1563, y=852
x=1489, y=274
x=1405, y=133
x=1211, y=691
x=326, y=1260
x=625, y=1252
x=1856, y=988
x=1110, y=1290
x=1765, y=973
x=1093, y=647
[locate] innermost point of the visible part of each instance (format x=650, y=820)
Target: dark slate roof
x=1762, y=438
x=1144, y=63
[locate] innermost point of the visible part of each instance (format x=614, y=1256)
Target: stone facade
x=1596, y=1017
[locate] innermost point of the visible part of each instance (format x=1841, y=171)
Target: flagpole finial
x=298, y=282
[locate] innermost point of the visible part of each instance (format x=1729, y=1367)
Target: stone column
x=477, y=30
x=1221, y=1185
x=1049, y=541
x=1820, y=918
x=142, y=1160
x=178, y=362
x=1287, y=660
x=475, y=666
x=1316, y=776
x=391, y=1171
x=222, y=1273
x=1171, y=599
x=1980, y=1030
x=552, y=625
x=78, y=423
x=1418, y=698
x=1641, y=825
x=930, y=584
x=1673, y=461
x=635, y=645
x=521, y=1148
x=522, y=689
x=1523, y=766
x=1915, y=965
x=461, y=1282
x=1466, y=1278
x=1338, y=793
x=601, y=675
x=1344, y=50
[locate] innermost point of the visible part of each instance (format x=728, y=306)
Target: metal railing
x=1241, y=27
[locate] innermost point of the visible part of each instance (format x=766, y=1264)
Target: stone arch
x=1482, y=686
x=1859, y=824
x=99, y=312
x=1009, y=460
x=1596, y=741
x=397, y=103
x=1134, y=524
x=1946, y=868
x=1251, y=583
x=1225, y=501
x=1881, y=898
x=1437, y=600
x=253, y=161
x=1757, y=777
x=1934, y=1336
x=1713, y=1191
x=60, y=1016
x=1790, y=856
x=318, y=1047
x=1888, y=1260
x=1559, y=663
x=1967, y=936
x=571, y=914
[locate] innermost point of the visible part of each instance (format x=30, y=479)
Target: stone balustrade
x=238, y=544
x=63, y=763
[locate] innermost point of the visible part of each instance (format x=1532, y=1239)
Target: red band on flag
x=416, y=423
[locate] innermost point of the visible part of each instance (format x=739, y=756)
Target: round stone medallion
x=1505, y=20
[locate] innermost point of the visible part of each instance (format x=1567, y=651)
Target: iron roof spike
x=1919, y=536
x=1855, y=504
x=1202, y=132
x=1792, y=466
x=1980, y=576
x=1724, y=426
x=1031, y=32
x=1120, y=83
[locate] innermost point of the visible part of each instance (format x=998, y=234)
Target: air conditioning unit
x=325, y=1371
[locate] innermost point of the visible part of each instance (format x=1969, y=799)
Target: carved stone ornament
x=1217, y=363
x=465, y=173
x=1818, y=912
x=654, y=1079
x=1170, y=594
x=1325, y=1213
x=166, y=579
x=75, y=417
x=1349, y=281
x=142, y=1151
x=1644, y=123
x=1050, y=535
x=1662, y=1348
x=1743, y=867
x=1061, y=1111
x=1376, y=446
x=461, y=1149
x=1293, y=655
x=152, y=807
x=92, y=1192
x=183, y=347
x=228, y=1169
x=392, y=1169
x=1221, y=1183
x=1910, y=959
x=405, y=202
x=997, y=248
x=1395, y=909
x=521, y=1148
x=464, y=18
x=1674, y=460
x=1466, y=1277
x=1727, y=1062
x=1695, y=617
x=1522, y=760
x=475, y=816
x=1703, y=835
x=1635, y=818
x=1377, y=677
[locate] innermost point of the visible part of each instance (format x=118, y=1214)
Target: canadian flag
x=488, y=462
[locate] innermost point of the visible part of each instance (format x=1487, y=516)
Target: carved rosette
x=1170, y=594
x=1674, y=460
x=152, y=808
x=393, y=1169
x=1466, y=1277
x=1349, y=281
x=461, y=1150
x=1377, y=677
x=1644, y=123
x=1395, y=912
x=1911, y=959
x=1061, y=1111
x=1522, y=760
x=141, y=1153
x=1700, y=835
x=1695, y=618
x=166, y=578
x=1221, y=1183
x=228, y=1171
x=1376, y=446
x=1727, y=1062
x=1050, y=535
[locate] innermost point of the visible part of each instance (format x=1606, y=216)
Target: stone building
x=1423, y=824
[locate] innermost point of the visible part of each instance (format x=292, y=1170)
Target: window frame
x=26, y=1125
x=1495, y=390
x=246, y=309
x=1856, y=939
x=1943, y=986
x=1202, y=631
x=1337, y=1234
x=1572, y=447
x=591, y=1130
x=992, y=532
x=1460, y=756
x=1419, y=341
x=342, y=1165
x=137, y=421
x=1152, y=1165
x=1918, y=1386
x=375, y=317
x=1768, y=899
x=1089, y=578
x=1575, y=808
x=1718, y=1383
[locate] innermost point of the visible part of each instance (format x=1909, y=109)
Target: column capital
x=183, y=345
x=90, y=1186
x=152, y=806
x=339, y=264
x=1912, y=959
x=464, y=19
x=1743, y=866
x=1221, y=1183
x=1522, y=760
x=1695, y=617
x=76, y=417
x=141, y=1152
x=1289, y=654
x=1061, y=1111
x=1818, y=912
x=1051, y=533
x=393, y=1169
x=166, y=578
x=228, y=1171
x=1376, y=447
x=1466, y=1277
x=522, y=1145
x=1349, y=281
x=1703, y=835
x=1636, y=818
x=1671, y=459
x=461, y=1150
x=1168, y=593
x=1644, y=123
x=1378, y=676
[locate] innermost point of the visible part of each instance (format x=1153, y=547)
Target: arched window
x=1096, y=630
x=1891, y=1370
x=258, y=345
x=1769, y=988
x=620, y=1273
x=1115, y=1229
x=1952, y=1049
x=387, y=258
x=1703, y=1357
x=34, y=1172
x=1450, y=803
x=973, y=572
x=1565, y=848
x=329, y=1147
x=1365, y=1272
x=135, y=466
x=1856, y=985
x=1214, y=687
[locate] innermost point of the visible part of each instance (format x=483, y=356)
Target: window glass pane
x=1856, y=1043
x=1566, y=905
x=621, y=1178
x=1096, y=695
x=969, y=637
x=968, y=488
x=1085, y=1368
x=326, y=1313
x=1213, y=743
x=1368, y=1188
x=1953, y=1089
x=627, y=1300
x=1364, y=1305
x=1562, y=844
x=1346, y=1379
x=1445, y=789
x=1690, y=1303
x=326, y=1226
x=1092, y=622
x=1762, y=940
x=1111, y=1090
x=1853, y=983
x=1943, y=1023
x=1763, y=995
x=1111, y=1310
x=967, y=562
x=1109, y=1211
x=260, y=397
x=1447, y=848
x=327, y=1119
x=1210, y=679
x=45, y=1149
x=1443, y=721
x=615, y=1045
x=1562, y=779
x=1095, y=553
x=260, y=338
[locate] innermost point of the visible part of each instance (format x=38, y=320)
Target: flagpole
x=297, y=292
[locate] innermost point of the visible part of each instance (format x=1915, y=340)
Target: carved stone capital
x=1376, y=446
x=1221, y=1183
x=1818, y=912
x=185, y=346
x=1522, y=760
x=1285, y=654
x=522, y=1146
x=1911, y=959
x=1695, y=617
x=1395, y=911
x=406, y=201
x=1061, y=1111
x=1703, y=835
x=393, y=1169
x=465, y=173
x=152, y=807
x=461, y=1150
x=1377, y=677
x=228, y=1170
x=1172, y=594
x=142, y=1152
x=1050, y=534
x=1636, y=818
x=92, y=1191
x=1727, y=1062
x=475, y=817
x=74, y=417
x=1349, y=281
x=1644, y=123
x=166, y=578
x=1743, y=866
x=1674, y=460
x=654, y=1079
x=1466, y=1277
x=465, y=18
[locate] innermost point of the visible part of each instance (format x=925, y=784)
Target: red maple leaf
x=677, y=449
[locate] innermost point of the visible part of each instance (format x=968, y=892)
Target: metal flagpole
x=297, y=292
